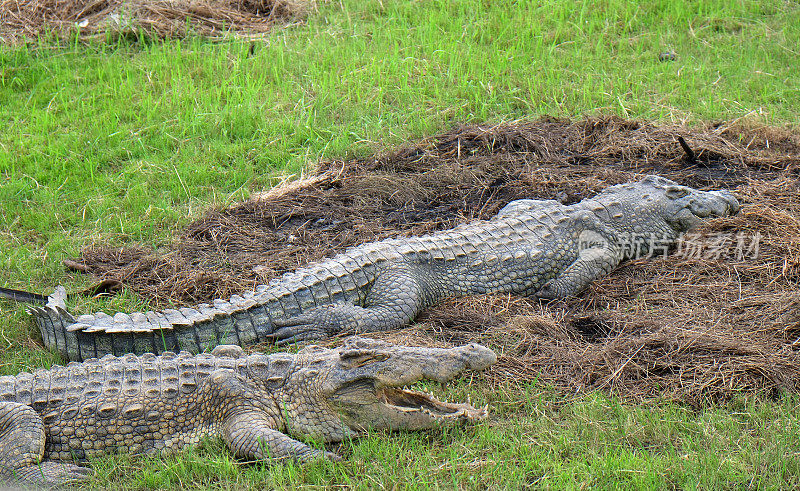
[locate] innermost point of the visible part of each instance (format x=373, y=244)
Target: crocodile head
x=362, y=385
x=684, y=208
x=658, y=207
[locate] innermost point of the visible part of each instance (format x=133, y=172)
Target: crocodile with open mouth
x=258, y=404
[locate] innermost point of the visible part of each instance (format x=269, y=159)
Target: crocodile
x=532, y=247
x=53, y=421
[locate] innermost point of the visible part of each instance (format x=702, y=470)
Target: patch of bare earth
x=718, y=317
x=31, y=19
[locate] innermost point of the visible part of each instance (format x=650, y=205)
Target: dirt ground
x=30, y=19
x=719, y=316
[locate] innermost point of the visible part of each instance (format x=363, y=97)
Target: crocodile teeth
x=409, y=401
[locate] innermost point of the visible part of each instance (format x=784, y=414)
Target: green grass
x=126, y=142
x=534, y=438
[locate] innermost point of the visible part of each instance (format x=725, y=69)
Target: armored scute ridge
x=53, y=420
x=532, y=247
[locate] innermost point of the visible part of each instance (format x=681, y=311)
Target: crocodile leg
x=249, y=435
x=591, y=264
x=22, y=440
x=249, y=428
x=394, y=300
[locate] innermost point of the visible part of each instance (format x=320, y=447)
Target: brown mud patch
x=719, y=317
x=31, y=19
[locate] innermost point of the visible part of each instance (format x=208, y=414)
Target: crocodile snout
x=444, y=364
x=723, y=203
x=477, y=357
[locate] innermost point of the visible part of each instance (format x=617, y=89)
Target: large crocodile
x=532, y=247
x=258, y=404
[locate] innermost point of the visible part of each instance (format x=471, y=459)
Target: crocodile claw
x=317, y=323
x=50, y=473
x=298, y=332
x=333, y=457
x=294, y=321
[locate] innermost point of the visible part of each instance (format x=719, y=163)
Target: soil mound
x=21, y=19
x=720, y=315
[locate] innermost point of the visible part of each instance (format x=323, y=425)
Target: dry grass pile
x=21, y=19
x=720, y=316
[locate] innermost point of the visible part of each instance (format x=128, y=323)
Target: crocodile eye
x=676, y=192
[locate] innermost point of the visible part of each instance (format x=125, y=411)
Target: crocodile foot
x=317, y=323
x=49, y=473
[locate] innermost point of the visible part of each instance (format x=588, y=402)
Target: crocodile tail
x=242, y=320
x=21, y=296
x=54, y=322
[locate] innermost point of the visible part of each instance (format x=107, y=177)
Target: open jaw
x=372, y=388
x=410, y=401
x=365, y=404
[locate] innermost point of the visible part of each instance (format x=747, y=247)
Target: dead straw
x=700, y=325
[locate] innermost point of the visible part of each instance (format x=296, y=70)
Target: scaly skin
x=532, y=247
x=258, y=404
